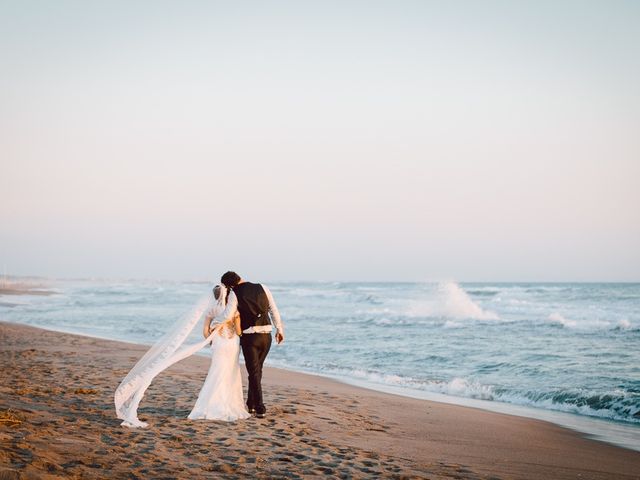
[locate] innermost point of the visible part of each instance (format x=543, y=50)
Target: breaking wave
x=450, y=301
x=620, y=405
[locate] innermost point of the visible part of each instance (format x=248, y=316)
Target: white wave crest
x=453, y=324
x=461, y=387
x=624, y=324
x=589, y=325
x=555, y=317
x=457, y=304
x=458, y=387
x=452, y=302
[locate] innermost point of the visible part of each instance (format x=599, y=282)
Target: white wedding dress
x=221, y=395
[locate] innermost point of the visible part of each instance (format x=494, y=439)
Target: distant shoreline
x=15, y=285
x=26, y=290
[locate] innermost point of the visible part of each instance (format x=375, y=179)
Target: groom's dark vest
x=253, y=305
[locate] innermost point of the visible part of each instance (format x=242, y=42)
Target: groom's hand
x=279, y=338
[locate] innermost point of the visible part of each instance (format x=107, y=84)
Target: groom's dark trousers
x=255, y=347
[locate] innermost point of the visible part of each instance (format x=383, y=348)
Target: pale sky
x=397, y=140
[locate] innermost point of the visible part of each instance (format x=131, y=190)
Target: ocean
x=564, y=352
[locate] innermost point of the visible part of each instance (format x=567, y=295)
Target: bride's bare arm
x=208, y=318
x=206, y=331
x=236, y=323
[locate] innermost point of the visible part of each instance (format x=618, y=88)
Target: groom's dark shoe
x=252, y=411
x=261, y=412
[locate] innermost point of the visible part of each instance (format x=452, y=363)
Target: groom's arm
x=275, y=315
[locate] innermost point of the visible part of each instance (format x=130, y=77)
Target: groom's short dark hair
x=230, y=279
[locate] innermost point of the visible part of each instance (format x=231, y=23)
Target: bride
x=221, y=396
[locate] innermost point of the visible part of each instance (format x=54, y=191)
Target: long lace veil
x=161, y=356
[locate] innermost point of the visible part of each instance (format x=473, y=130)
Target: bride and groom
x=243, y=315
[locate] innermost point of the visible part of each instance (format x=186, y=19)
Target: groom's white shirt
x=232, y=308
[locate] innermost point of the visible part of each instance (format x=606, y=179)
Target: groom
x=255, y=305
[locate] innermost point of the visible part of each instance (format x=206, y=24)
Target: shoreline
x=614, y=432
x=59, y=387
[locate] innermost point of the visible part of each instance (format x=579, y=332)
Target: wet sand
x=57, y=421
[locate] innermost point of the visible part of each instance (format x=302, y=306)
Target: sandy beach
x=57, y=421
